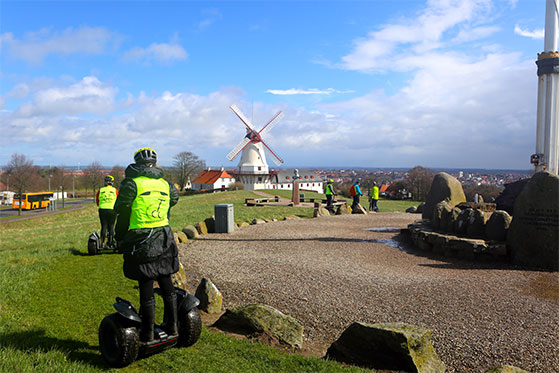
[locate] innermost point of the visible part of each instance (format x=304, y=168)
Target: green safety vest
x=151, y=206
x=329, y=190
x=107, y=197
x=374, y=192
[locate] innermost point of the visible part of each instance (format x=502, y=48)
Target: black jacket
x=148, y=252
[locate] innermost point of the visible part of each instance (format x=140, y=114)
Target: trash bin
x=224, y=218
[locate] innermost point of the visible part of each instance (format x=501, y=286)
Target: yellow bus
x=30, y=201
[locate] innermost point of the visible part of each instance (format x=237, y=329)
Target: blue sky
x=379, y=83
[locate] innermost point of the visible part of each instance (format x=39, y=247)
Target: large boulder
x=476, y=225
x=420, y=208
x=343, y=210
x=462, y=221
x=210, y=297
x=497, y=226
x=181, y=237
x=387, y=346
x=505, y=200
x=358, y=209
x=260, y=318
x=320, y=211
x=190, y=231
x=201, y=227
x=443, y=188
x=534, y=232
x=440, y=209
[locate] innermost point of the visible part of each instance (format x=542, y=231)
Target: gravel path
x=331, y=271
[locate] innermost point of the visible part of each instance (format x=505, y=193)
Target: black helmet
x=145, y=155
x=109, y=180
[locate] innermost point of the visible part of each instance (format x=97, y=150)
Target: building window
x=259, y=168
x=259, y=177
x=312, y=177
x=306, y=177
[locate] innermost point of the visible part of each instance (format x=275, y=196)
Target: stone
x=343, y=210
x=291, y=217
x=358, y=209
x=420, y=207
x=182, y=237
x=443, y=188
x=446, y=219
x=179, y=278
x=261, y=318
x=506, y=369
x=533, y=236
x=454, y=214
x=387, y=346
x=210, y=224
x=190, y=231
x=210, y=297
x=462, y=221
x=505, y=200
x=321, y=211
x=436, y=217
x=411, y=210
x=201, y=227
x=176, y=237
x=498, y=225
x=258, y=221
x=244, y=224
x=476, y=225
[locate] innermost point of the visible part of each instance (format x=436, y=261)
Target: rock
x=420, y=208
x=446, y=224
x=190, y=231
x=291, y=217
x=476, y=225
x=533, y=235
x=201, y=228
x=358, y=209
x=411, y=210
x=209, y=295
x=244, y=224
x=182, y=237
x=505, y=200
x=454, y=214
x=438, y=214
x=176, y=237
x=210, y=224
x=462, y=221
x=179, y=278
x=320, y=211
x=258, y=221
x=443, y=188
x=387, y=346
x=497, y=226
x=343, y=210
x=260, y=318
x=506, y=369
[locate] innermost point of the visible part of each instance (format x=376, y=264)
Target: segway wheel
x=118, y=341
x=190, y=326
x=91, y=247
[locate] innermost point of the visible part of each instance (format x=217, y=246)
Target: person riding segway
x=106, y=197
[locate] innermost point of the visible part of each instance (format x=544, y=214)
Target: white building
x=308, y=181
x=212, y=180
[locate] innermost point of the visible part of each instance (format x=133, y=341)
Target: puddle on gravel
x=387, y=241
x=384, y=230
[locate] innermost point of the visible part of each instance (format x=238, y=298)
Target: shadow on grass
x=33, y=340
x=77, y=252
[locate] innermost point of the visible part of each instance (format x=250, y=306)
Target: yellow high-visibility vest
x=107, y=197
x=152, y=203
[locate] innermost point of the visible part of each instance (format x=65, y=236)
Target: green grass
x=54, y=296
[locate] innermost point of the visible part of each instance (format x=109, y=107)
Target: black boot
x=170, y=315
x=147, y=313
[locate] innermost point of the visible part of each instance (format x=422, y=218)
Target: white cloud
x=157, y=52
x=211, y=15
x=33, y=47
x=310, y=91
x=535, y=34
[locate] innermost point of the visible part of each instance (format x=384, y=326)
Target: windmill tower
x=253, y=169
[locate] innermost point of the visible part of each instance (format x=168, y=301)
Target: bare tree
x=93, y=176
x=418, y=181
x=22, y=173
x=118, y=173
x=186, y=165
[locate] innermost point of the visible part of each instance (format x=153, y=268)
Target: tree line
x=22, y=176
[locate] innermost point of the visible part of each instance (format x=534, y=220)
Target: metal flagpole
x=547, y=133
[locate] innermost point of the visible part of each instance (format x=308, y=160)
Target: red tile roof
x=211, y=176
x=383, y=188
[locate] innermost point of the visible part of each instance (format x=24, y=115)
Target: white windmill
x=253, y=169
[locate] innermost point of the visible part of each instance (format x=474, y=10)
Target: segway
x=94, y=245
x=119, y=333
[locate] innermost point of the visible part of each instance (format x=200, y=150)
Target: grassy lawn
x=54, y=296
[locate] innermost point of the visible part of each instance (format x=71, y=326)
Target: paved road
x=29, y=213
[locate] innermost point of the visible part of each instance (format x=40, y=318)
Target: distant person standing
x=106, y=198
x=329, y=194
x=373, y=195
x=355, y=192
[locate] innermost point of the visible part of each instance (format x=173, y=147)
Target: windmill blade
x=237, y=149
x=277, y=160
x=241, y=116
x=271, y=123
